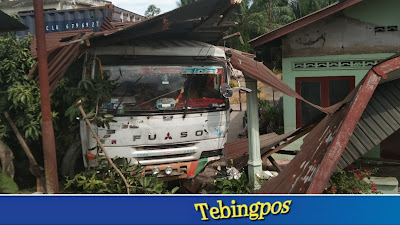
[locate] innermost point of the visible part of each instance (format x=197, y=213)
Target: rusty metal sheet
x=298, y=174
x=107, y=24
x=59, y=60
x=260, y=72
x=190, y=22
x=57, y=40
x=302, y=22
x=338, y=140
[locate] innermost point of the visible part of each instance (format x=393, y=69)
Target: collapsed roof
x=367, y=116
x=204, y=20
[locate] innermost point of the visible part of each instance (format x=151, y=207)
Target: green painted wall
x=290, y=74
x=379, y=12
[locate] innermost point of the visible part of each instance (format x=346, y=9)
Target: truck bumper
x=182, y=170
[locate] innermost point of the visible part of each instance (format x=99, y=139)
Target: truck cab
x=170, y=114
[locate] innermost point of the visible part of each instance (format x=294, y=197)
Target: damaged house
x=343, y=58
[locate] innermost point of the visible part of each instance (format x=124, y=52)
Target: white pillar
x=255, y=162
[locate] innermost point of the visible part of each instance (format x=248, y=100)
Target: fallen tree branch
x=34, y=168
x=79, y=103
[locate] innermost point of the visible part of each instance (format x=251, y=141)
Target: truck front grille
x=164, y=156
x=158, y=147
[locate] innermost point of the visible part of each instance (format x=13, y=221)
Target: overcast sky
x=140, y=6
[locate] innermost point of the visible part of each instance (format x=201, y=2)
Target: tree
x=304, y=7
x=253, y=18
x=152, y=10
x=184, y=2
x=20, y=97
x=19, y=94
x=257, y=17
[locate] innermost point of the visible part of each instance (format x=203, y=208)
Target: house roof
x=302, y=22
x=10, y=24
x=367, y=115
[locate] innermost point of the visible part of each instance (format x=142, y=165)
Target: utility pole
x=255, y=162
x=49, y=147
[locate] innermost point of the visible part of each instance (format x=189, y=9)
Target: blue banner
x=199, y=209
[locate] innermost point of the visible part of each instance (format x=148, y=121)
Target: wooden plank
x=363, y=138
x=383, y=113
x=379, y=120
x=274, y=163
x=347, y=157
x=359, y=147
x=352, y=150
x=369, y=132
x=390, y=95
x=367, y=118
x=265, y=153
x=342, y=163
x=389, y=107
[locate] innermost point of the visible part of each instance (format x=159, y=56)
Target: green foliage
x=20, y=95
x=7, y=185
x=104, y=179
x=271, y=116
x=152, y=10
x=233, y=186
x=302, y=8
x=351, y=181
x=93, y=92
x=257, y=17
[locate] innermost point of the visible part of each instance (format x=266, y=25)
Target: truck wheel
x=72, y=162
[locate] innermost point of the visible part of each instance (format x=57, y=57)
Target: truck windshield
x=164, y=88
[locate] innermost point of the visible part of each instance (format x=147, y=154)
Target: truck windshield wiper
x=216, y=105
x=126, y=92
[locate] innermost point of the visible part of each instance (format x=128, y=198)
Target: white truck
x=170, y=106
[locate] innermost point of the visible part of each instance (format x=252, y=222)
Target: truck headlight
x=168, y=170
x=155, y=170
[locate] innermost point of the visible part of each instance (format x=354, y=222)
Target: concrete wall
x=379, y=12
x=290, y=73
x=352, y=31
x=345, y=38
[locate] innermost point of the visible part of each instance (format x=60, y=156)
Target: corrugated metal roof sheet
x=302, y=22
x=57, y=40
x=380, y=119
x=190, y=22
x=203, y=20
x=356, y=126
x=260, y=72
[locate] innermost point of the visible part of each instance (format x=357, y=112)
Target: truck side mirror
x=226, y=90
x=247, y=90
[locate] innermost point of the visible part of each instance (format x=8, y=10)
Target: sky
x=140, y=6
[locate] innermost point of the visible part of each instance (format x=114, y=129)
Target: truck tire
x=72, y=162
